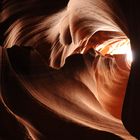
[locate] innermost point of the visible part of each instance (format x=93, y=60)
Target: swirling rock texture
x=66, y=71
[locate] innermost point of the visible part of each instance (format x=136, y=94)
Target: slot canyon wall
x=66, y=70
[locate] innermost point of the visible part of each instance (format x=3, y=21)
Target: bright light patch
x=123, y=47
x=117, y=47
x=129, y=55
